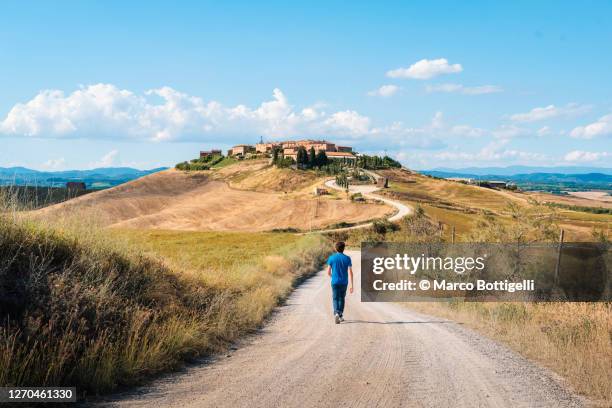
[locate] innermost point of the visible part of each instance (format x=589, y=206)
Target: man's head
x=340, y=246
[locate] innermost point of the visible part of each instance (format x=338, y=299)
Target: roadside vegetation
x=99, y=309
x=33, y=197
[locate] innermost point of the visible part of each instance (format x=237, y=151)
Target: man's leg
x=341, y=295
x=335, y=299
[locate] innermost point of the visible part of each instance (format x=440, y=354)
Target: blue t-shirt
x=339, y=264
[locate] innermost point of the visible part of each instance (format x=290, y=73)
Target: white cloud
x=550, y=112
x=510, y=132
x=467, y=131
x=54, y=164
x=582, y=156
x=544, y=131
x=385, y=91
x=601, y=127
x=492, y=152
x=110, y=159
x=466, y=90
x=348, y=121
x=104, y=111
x=426, y=69
x=440, y=128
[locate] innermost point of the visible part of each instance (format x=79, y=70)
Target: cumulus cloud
x=492, y=152
x=551, y=112
x=110, y=159
x=544, y=131
x=385, y=91
x=426, y=69
x=601, y=127
x=466, y=90
x=510, y=132
x=440, y=127
x=104, y=111
x=582, y=156
x=348, y=121
x=54, y=164
x=467, y=131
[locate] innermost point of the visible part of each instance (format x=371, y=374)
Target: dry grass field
x=246, y=196
x=580, y=198
x=258, y=175
x=463, y=206
x=98, y=309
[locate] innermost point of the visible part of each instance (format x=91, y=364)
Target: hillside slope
x=463, y=206
x=213, y=201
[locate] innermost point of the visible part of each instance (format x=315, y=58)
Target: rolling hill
x=513, y=170
x=247, y=196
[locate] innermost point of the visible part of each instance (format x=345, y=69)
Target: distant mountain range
x=519, y=170
x=94, y=179
x=553, y=179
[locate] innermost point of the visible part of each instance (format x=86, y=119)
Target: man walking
x=339, y=268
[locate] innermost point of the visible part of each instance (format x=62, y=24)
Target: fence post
x=453, y=234
x=561, y=236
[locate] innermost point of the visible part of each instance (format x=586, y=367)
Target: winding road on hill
x=383, y=355
x=366, y=191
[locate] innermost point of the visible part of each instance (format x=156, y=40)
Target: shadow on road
x=397, y=322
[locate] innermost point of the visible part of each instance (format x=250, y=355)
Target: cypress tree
x=321, y=158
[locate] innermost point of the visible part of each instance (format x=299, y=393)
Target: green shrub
x=383, y=226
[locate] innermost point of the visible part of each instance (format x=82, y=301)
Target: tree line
x=304, y=159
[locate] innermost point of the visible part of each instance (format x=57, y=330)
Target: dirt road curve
x=367, y=190
x=382, y=356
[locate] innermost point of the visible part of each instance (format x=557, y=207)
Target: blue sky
x=453, y=84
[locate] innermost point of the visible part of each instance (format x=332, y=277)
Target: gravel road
x=383, y=355
x=366, y=190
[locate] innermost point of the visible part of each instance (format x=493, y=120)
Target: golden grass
x=82, y=307
x=219, y=259
x=258, y=175
x=462, y=206
x=452, y=192
x=572, y=339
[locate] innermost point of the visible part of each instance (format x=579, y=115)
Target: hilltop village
x=321, y=155
x=287, y=149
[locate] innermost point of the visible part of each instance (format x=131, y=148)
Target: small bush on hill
x=201, y=163
x=193, y=166
x=384, y=226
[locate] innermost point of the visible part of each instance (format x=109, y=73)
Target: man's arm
x=329, y=270
x=350, y=269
